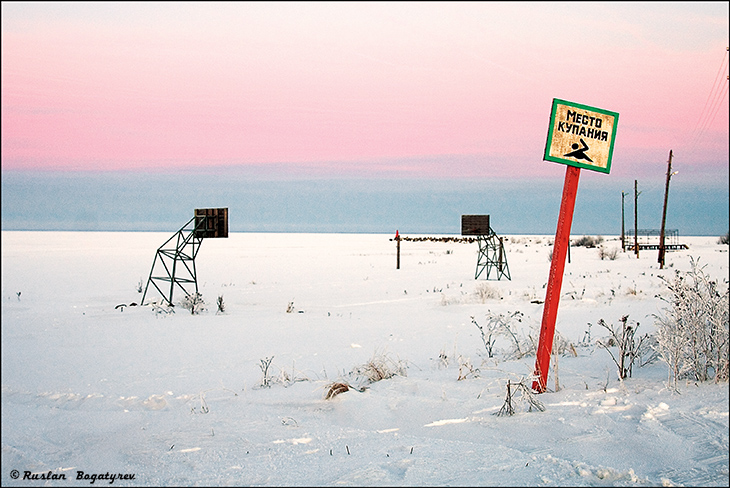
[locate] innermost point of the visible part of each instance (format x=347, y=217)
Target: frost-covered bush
x=501, y=325
x=193, y=303
x=485, y=291
x=519, y=395
x=610, y=254
x=692, y=334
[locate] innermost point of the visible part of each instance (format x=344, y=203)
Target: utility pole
x=623, y=233
x=636, y=218
x=664, y=212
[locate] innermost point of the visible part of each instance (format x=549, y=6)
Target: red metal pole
x=555, y=281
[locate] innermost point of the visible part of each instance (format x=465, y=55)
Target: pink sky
x=358, y=88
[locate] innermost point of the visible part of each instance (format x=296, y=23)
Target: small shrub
x=610, y=254
x=692, y=334
x=518, y=395
x=221, y=305
x=194, y=303
x=588, y=241
x=485, y=291
x=500, y=325
x=724, y=239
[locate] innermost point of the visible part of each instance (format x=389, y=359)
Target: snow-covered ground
x=178, y=399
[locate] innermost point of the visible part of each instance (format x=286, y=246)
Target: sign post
x=580, y=137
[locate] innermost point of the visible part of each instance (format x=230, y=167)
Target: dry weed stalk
x=628, y=347
x=518, y=393
x=266, y=379
x=466, y=369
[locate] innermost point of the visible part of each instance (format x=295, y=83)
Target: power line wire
x=717, y=95
x=711, y=113
x=709, y=95
x=710, y=119
x=717, y=108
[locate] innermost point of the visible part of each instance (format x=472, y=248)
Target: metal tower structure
x=492, y=256
x=174, y=263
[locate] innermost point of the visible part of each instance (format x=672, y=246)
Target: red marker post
x=555, y=280
x=581, y=137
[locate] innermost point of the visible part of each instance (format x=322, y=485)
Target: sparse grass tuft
x=380, y=367
x=485, y=291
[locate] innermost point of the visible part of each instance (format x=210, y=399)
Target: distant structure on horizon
x=491, y=255
x=175, y=259
x=649, y=239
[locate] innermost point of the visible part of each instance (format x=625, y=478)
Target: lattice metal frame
x=650, y=238
x=492, y=256
x=175, y=261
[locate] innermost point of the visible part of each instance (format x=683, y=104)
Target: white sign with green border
x=581, y=136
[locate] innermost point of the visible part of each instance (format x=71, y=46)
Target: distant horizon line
x=420, y=234
x=293, y=172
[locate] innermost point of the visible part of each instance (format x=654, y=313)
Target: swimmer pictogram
x=579, y=153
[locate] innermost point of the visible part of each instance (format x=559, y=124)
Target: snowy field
x=177, y=399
